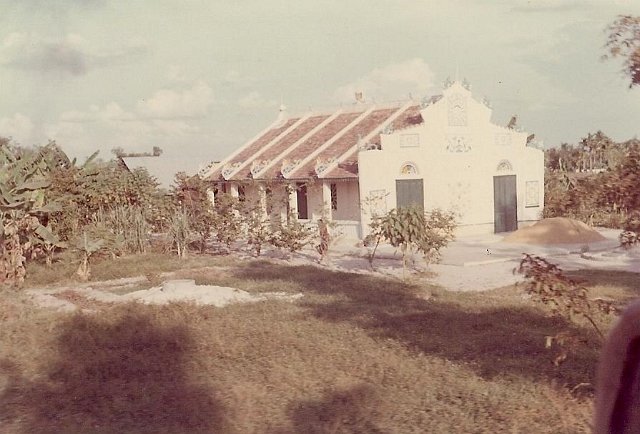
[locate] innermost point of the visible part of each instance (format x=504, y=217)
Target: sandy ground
x=468, y=264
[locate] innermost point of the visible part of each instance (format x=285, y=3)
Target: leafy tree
x=624, y=41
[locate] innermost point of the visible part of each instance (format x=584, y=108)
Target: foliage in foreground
x=566, y=299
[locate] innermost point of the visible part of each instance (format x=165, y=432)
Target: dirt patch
x=556, y=230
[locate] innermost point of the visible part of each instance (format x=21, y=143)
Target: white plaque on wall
x=532, y=194
x=377, y=202
x=409, y=140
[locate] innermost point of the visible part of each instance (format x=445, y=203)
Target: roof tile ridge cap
x=301, y=140
x=375, y=131
x=273, y=141
x=226, y=160
x=333, y=139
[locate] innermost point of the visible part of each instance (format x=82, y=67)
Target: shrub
x=257, y=226
x=412, y=230
x=566, y=298
x=292, y=235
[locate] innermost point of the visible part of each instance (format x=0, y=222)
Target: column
x=233, y=189
x=326, y=200
x=262, y=199
x=292, y=199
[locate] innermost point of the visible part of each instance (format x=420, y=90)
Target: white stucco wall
x=457, y=151
x=348, y=201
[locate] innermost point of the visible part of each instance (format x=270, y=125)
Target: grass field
x=356, y=354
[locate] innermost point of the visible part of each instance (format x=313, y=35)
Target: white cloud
x=19, y=127
x=171, y=104
x=178, y=73
x=71, y=54
x=391, y=82
x=170, y=116
x=255, y=100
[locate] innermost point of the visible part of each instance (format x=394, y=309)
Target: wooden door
x=409, y=192
x=505, y=203
x=301, y=193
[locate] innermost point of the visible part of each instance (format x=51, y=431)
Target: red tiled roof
x=342, y=145
x=282, y=144
x=254, y=147
x=336, y=139
x=312, y=143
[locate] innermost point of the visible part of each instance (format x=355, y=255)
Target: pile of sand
x=171, y=291
x=556, y=230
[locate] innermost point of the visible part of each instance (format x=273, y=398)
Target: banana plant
x=48, y=242
x=23, y=185
x=87, y=247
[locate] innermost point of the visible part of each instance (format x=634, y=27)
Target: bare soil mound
x=556, y=230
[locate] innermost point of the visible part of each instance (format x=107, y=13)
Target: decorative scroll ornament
x=457, y=105
x=447, y=83
x=486, y=102
x=229, y=169
x=369, y=146
x=288, y=166
x=322, y=165
x=258, y=165
x=204, y=170
x=504, y=166
x=466, y=84
x=458, y=144
x=388, y=129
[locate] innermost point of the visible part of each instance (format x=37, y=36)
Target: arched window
x=408, y=169
x=504, y=166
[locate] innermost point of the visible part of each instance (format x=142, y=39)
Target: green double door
x=409, y=192
x=505, y=204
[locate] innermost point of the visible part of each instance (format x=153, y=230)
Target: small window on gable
x=334, y=197
x=504, y=166
x=408, y=169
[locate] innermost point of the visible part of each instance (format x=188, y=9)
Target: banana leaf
x=32, y=185
x=46, y=235
x=50, y=207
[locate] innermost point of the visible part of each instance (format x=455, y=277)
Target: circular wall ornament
x=408, y=169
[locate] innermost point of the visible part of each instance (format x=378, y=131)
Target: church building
x=366, y=159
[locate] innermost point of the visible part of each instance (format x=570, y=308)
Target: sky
x=199, y=78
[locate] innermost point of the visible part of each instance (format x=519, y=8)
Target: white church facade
x=367, y=159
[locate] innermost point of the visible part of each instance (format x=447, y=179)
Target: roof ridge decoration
x=222, y=163
x=257, y=166
x=323, y=164
x=301, y=140
x=329, y=142
x=270, y=144
x=229, y=169
x=366, y=138
x=287, y=166
x=203, y=171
